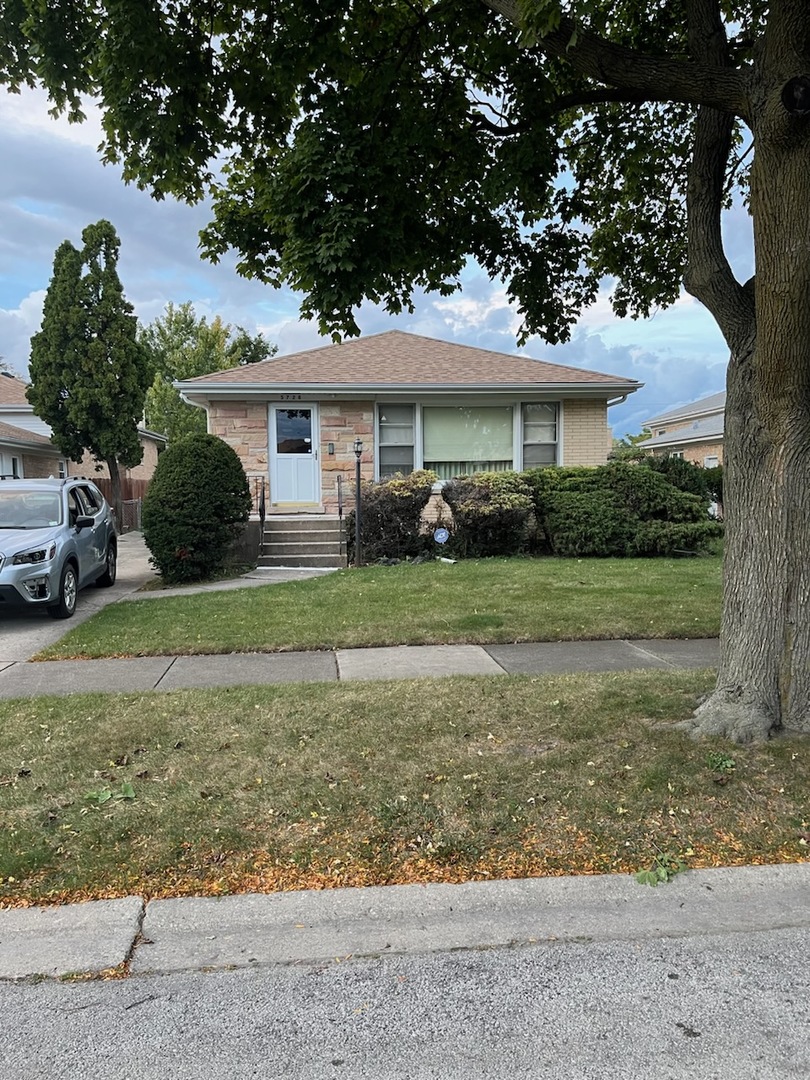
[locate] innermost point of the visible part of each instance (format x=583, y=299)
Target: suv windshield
x=29, y=509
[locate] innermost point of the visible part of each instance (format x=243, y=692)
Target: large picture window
x=461, y=440
x=458, y=440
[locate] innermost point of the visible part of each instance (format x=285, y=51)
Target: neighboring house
x=152, y=445
x=693, y=432
x=414, y=402
x=26, y=449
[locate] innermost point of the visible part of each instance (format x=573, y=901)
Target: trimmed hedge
x=192, y=510
x=617, y=509
x=491, y=514
x=391, y=516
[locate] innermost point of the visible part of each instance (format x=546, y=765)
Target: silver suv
x=56, y=536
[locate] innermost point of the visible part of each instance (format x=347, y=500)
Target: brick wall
x=699, y=452
x=586, y=438
x=88, y=466
x=36, y=467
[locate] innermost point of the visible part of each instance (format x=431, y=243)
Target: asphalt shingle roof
x=395, y=358
x=12, y=390
x=17, y=434
x=709, y=427
x=712, y=403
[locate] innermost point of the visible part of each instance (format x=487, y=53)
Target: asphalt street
x=724, y=1007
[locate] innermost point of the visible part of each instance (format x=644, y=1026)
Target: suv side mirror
x=84, y=522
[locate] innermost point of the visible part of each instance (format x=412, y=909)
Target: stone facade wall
x=586, y=438
x=243, y=426
x=341, y=423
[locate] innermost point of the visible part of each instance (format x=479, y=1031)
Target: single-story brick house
x=415, y=402
x=26, y=450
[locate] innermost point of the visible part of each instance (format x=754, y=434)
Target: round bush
x=195, y=503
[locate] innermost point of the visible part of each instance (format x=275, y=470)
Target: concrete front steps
x=303, y=541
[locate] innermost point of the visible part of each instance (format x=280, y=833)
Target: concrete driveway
x=24, y=633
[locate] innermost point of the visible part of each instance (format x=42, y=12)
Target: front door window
x=293, y=431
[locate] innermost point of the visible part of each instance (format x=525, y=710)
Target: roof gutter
x=344, y=389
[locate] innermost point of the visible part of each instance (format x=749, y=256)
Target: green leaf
x=647, y=877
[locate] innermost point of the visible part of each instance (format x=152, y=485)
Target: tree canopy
x=370, y=149
x=358, y=150
x=88, y=372
x=182, y=346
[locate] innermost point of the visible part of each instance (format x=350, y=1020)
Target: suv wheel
x=68, y=590
x=107, y=578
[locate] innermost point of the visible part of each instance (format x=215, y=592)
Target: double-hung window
x=396, y=439
x=539, y=434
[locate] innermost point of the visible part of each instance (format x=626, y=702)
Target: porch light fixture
x=358, y=451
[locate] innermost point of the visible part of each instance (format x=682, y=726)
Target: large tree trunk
x=115, y=483
x=764, y=676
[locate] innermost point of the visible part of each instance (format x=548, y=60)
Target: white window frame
x=419, y=405
x=378, y=426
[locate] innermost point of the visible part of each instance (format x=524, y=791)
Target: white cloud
x=52, y=185
x=17, y=327
x=29, y=111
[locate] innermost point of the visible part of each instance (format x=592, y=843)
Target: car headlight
x=38, y=555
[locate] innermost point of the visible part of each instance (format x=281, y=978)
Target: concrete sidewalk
x=299, y=927
x=25, y=679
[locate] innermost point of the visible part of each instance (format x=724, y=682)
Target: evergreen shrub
x=581, y=523
x=193, y=507
x=684, y=475
x=617, y=509
x=492, y=514
x=391, y=517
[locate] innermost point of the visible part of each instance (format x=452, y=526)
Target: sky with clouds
x=52, y=184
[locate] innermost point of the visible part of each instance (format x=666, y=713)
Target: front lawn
x=326, y=785
x=476, y=601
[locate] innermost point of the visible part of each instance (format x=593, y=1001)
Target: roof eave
x=355, y=389
x=666, y=418
x=661, y=441
x=24, y=444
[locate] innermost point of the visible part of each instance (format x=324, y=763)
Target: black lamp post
x=358, y=453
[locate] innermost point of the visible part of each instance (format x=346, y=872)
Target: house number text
x=290, y=397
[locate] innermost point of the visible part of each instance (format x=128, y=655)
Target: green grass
x=350, y=784
x=477, y=601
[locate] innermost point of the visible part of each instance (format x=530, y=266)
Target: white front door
x=293, y=440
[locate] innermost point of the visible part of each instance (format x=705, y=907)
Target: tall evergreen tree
x=89, y=373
